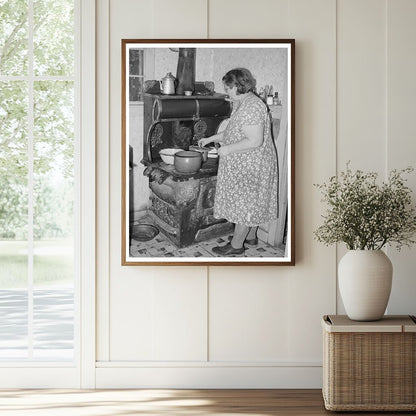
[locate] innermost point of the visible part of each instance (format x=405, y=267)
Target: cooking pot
x=188, y=161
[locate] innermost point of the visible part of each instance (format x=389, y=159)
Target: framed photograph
x=208, y=152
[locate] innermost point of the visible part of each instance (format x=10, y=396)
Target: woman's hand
x=204, y=141
x=216, y=138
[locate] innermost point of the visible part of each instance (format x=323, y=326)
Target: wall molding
x=204, y=364
x=103, y=179
x=210, y=376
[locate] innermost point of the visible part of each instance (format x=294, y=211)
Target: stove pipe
x=185, y=73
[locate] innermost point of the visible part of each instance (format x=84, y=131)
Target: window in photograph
x=136, y=76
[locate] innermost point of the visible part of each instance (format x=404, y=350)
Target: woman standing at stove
x=247, y=181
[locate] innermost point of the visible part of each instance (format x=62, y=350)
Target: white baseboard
x=169, y=375
x=209, y=377
x=39, y=378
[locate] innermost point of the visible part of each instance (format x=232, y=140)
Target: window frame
x=81, y=371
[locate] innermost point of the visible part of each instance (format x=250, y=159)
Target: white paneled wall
x=254, y=326
x=361, y=88
x=401, y=131
x=248, y=315
x=361, y=84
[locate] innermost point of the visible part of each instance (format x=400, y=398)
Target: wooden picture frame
x=172, y=97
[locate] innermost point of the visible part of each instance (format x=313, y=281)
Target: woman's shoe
x=253, y=242
x=228, y=250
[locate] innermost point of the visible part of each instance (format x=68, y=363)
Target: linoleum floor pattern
x=160, y=246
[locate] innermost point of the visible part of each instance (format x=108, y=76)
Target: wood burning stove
x=181, y=204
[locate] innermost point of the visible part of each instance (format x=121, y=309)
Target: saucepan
x=202, y=150
x=188, y=161
x=213, y=152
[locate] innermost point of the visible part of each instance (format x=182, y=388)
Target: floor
x=167, y=402
x=160, y=246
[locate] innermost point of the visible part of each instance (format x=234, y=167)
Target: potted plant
x=366, y=215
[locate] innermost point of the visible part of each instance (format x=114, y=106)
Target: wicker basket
x=369, y=366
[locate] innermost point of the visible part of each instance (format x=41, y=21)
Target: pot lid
x=188, y=153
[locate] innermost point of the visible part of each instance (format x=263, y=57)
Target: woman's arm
x=216, y=138
x=253, y=139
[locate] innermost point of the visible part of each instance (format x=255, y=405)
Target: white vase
x=364, y=278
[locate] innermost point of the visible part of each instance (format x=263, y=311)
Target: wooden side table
x=369, y=366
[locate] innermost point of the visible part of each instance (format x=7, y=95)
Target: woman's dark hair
x=242, y=78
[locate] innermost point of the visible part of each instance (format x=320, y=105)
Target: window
x=136, y=76
x=38, y=143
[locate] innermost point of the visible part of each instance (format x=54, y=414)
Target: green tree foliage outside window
x=53, y=117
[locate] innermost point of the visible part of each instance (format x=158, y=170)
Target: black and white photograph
x=208, y=152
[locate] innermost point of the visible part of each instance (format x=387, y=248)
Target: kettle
x=167, y=84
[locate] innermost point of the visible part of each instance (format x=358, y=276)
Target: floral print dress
x=247, y=183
